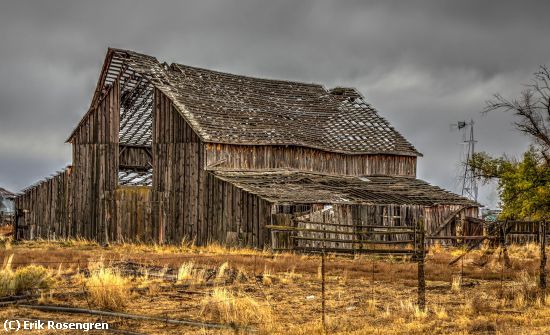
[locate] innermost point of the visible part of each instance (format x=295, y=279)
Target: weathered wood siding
x=95, y=163
x=190, y=204
x=178, y=176
x=436, y=215
x=235, y=217
x=264, y=157
x=101, y=123
x=349, y=219
x=522, y=232
x=134, y=157
x=133, y=214
x=44, y=210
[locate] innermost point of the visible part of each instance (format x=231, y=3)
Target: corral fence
x=410, y=241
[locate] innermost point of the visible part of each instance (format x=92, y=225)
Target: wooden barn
x=173, y=152
x=7, y=209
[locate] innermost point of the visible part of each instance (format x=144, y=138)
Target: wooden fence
x=308, y=236
x=322, y=237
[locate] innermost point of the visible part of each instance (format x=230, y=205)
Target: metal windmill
x=469, y=182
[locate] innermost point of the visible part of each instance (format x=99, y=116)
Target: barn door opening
x=135, y=130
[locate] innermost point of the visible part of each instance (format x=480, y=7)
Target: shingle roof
x=301, y=187
x=235, y=109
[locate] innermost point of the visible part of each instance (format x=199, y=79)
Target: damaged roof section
x=235, y=109
x=135, y=178
x=6, y=194
x=300, y=187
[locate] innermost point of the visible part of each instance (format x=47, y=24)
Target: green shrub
x=32, y=277
x=25, y=279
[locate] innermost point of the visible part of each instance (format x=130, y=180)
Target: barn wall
x=350, y=219
x=235, y=217
x=45, y=209
x=178, y=176
x=436, y=215
x=133, y=214
x=95, y=163
x=188, y=202
x=264, y=157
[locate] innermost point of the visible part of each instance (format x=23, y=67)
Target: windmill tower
x=469, y=183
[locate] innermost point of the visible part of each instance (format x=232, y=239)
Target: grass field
x=275, y=294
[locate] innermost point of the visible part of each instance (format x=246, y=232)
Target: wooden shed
x=173, y=152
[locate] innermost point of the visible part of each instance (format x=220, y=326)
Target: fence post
x=420, y=253
x=542, y=239
x=323, y=304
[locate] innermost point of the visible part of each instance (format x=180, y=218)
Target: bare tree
x=532, y=109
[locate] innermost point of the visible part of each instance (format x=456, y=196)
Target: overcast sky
x=422, y=64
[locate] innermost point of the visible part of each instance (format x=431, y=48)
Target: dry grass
x=456, y=283
x=372, y=307
x=267, y=277
x=281, y=293
x=291, y=276
x=440, y=312
x=6, y=283
x=408, y=309
x=527, y=251
x=107, y=289
x=225, y=306
x=24, y=279
x=220, y=275
x=189, y=274
x=186, y=271
x=526, y=291
x=5, y=243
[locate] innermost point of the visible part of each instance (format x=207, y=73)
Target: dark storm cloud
x=422, y=64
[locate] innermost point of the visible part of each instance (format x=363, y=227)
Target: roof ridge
x=180, y=66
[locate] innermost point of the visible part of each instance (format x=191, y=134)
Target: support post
x=543, y=273
x=460, y=229
x=420, y=255
x=506, y=258
x=504, y=253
